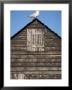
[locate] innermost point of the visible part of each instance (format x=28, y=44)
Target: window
x=35, y=40
x=21, y=76
x=18, y=76
x=53, y=45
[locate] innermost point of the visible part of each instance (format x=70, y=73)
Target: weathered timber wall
x=39, y=64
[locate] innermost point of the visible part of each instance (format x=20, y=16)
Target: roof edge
x=32, y=22
x=22, y=29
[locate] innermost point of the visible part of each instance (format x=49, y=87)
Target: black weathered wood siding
x=39, y=64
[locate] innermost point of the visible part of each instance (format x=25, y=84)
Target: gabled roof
x=32, y=22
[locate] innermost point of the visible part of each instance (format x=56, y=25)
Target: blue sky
x=19, y=19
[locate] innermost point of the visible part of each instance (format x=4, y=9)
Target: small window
x=15, y=76
x=53, y=45
x=21, y=76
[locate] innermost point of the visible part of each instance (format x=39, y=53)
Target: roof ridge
x=32, y=22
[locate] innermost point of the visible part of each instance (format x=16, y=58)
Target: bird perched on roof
x=34, y=14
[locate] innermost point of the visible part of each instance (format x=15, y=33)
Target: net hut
x=36, y=52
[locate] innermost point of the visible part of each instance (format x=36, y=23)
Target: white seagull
x=34, y=14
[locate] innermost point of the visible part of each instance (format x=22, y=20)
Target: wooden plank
x=35, y=68
x=35, y=53
x=35, y=64
x=35, y=56
x=51, y=60
x=38, y=76
x=38, y=72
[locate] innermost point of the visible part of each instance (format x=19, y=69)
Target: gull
x=34, y=14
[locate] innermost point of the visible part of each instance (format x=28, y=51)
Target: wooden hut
x=35, y=52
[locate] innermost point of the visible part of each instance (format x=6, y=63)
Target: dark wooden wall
x=39, y=64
